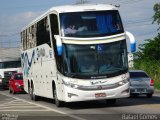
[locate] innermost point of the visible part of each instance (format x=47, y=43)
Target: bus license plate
x=97, y=95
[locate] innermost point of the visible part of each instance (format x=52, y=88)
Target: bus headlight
x=123, y=82
x=71, y=85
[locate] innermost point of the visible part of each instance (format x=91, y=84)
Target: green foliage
x=149, y=56
x=156, y=17
x=150, y=59
x=152, y=67
x=151, y=49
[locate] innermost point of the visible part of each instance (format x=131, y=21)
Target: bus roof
x=74, y=8
x=82, y=7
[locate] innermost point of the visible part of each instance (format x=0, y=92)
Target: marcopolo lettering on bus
x=41, y=52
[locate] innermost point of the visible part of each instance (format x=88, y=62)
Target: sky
x=136, y=16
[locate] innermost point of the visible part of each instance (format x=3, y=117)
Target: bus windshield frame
x=95, y=60
x=90, y=23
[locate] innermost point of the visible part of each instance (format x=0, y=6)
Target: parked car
x=16, y=83
x=141, y=83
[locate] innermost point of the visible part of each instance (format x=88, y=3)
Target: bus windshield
x=10, y=64
x=95, y=61
x=90, y=23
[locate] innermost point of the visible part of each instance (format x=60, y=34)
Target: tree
x=156, y=17
x=150, y=52
x=151, y=49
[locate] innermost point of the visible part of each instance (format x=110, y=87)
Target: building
x=9, y=53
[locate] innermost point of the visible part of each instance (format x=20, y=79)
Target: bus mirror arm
x=58, y=44
x=132, y=41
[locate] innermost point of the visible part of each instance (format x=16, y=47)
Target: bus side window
x=43, y=32
x=54, y=25
x=54, y=30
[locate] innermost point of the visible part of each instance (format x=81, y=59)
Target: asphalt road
x=20, y=107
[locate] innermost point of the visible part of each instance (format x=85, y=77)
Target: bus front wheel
x=58, y=103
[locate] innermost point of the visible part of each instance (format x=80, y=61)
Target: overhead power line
x=82, y=1
x=8, y=35
x=126, y=1
x=147, y=33
x=10, y=41
x=125, y=23
x=139, y=21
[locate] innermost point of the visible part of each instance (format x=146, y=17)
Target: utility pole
x=1, y=40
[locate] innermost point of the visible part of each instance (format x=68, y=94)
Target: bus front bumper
x=73, y=95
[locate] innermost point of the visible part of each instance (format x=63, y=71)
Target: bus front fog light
x=126, y=91
x=123, y=82
x=71, y=95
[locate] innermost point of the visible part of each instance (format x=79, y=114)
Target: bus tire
x=57, y=102
x=32, y=93
x=111, y=101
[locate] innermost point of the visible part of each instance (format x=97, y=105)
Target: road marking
x=13, y=102
x=18, y=107
x=48, y=108
x=151, y=105
x=25, y=110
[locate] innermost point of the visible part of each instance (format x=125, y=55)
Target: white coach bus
x=76, y=53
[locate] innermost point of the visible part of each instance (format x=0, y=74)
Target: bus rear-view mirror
x=132, y=41
x=58, y=44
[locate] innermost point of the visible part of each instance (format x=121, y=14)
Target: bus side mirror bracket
x=132, y=41
x=58, y=44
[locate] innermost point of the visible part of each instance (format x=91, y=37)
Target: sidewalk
x=157, y=91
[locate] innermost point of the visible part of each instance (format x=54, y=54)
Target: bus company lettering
x=98, y=82
x=41, y=52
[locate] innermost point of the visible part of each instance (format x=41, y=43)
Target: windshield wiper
x=72, y=75
x=111, y=69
